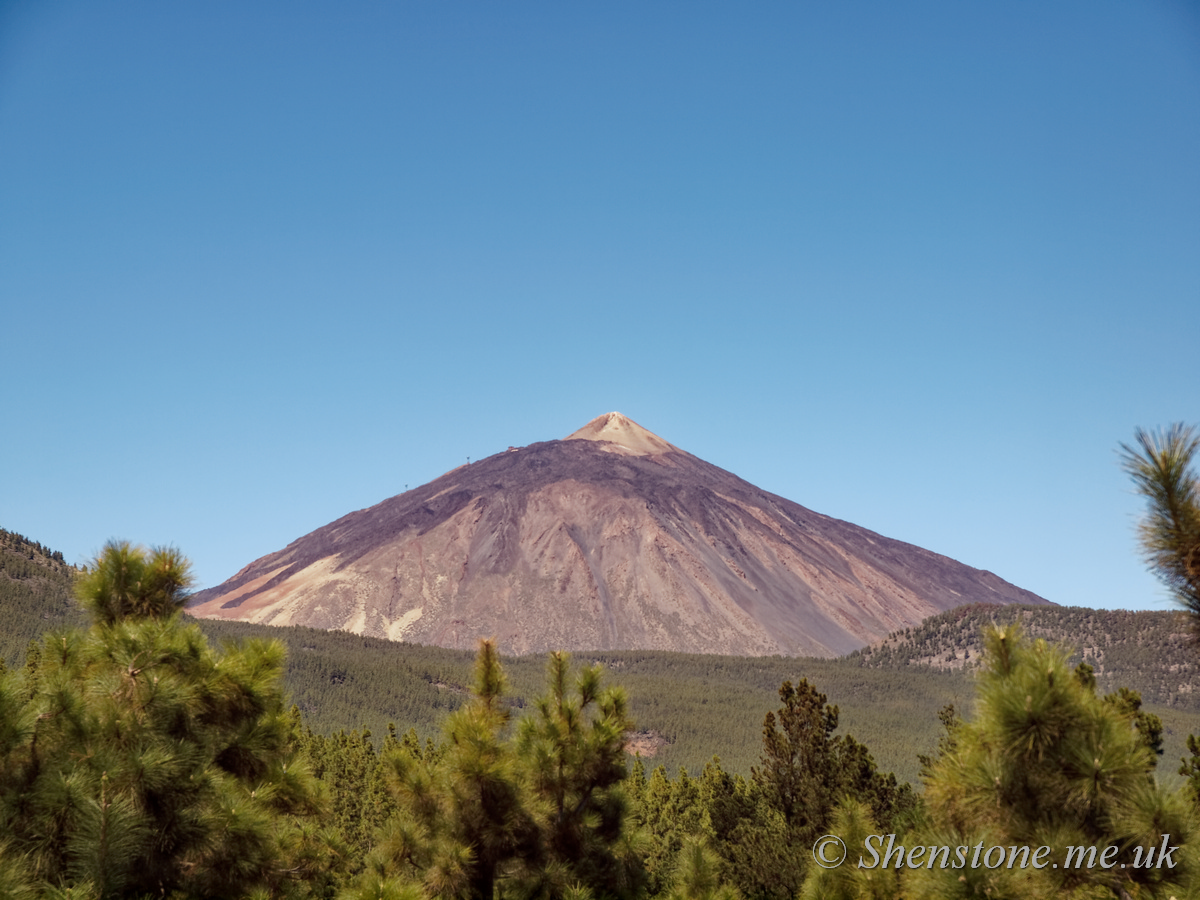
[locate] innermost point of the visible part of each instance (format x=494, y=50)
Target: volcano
x=611, y=538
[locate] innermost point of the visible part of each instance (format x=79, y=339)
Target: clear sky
x=920, y=266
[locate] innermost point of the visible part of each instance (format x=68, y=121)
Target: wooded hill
x=687, y=707
x=1154, y=651
x=35, y=594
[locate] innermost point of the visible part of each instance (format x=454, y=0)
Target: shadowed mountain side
x=611, y=539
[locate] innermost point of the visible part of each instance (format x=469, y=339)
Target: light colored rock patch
x=624, y=434
x=396, y=630
x=213, y=607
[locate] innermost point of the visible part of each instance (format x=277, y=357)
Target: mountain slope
x=612, y=538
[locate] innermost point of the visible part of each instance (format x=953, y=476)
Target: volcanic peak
x=610, y=539
x=624, y=436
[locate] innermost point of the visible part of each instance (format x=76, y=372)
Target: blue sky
x=920, y=266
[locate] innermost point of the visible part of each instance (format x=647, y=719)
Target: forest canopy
x=139, y=759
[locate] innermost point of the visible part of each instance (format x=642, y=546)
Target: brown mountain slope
x=609, y=539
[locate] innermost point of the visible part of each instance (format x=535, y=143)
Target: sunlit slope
x=611, y=539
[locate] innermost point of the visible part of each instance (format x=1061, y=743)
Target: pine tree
x=140, y=760
x=1045, y=762
x=573, y=751
x=697, y=874
x=798, y=773
x=1160, y=466
x=668, y=814
x=853, y=823
x=541, y=816
x=805, y=771
x=462, y=824
x=1190, y=767
x=1148, y=726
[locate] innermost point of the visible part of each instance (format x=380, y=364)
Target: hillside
x=1150, y=650
x=35, y=593
x=687, y=707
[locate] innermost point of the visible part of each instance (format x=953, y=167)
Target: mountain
x=611, y=538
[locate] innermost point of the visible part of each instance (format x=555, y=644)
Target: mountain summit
x=612, y=538
x=626, y=436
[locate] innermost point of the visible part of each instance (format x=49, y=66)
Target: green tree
x=353, y=774
x=462, y=824
x=1190, y=768
x=573, y=750
x=712, y=810
x=127, y=582
x=805, y=769
x=667, y=813
x=1148, y=726
x=135, y=760
x=948, y=716
x=853, y=823
x=697, y=875
x=1045, y=762
x=539, y=815
x=799, y=771
x=1160, y=465
x=804, y=772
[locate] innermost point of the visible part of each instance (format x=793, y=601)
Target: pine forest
x=147, y=754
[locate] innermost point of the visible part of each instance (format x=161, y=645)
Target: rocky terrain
x=610, y=539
